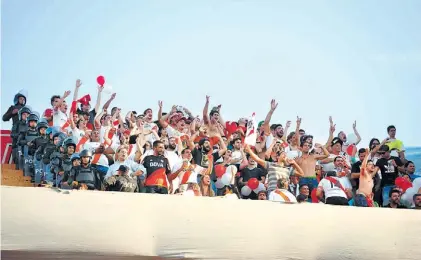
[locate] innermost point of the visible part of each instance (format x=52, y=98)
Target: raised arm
x=376, y=149
x=364, y=163
x=332, y=129
x=205, y=111
x=108, y=103
x=297, y=131
x=287, y=126
x=98, y=99
x=354, y=126
x=222, y=146
x=266, y=127
x=75, y=94
x=65, y=95
x=298, y=170
x=255, y=157
x=325, y=152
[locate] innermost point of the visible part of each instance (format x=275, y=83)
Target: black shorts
x=337, y=201
x=156, y=189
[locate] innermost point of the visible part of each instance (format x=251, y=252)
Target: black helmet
x=85, y=153
x=32, y=117
x=41, y=125
x=60, y=135
x=75, y=156
x=23, y=110
x=69, y=141
x=16, y=99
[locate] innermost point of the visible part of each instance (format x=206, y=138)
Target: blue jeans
x=385, y=194
x=310, y=181
x=360, y=200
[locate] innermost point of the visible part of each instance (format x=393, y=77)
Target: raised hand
x=288, y=124
x=273, y=105
x=330, y=120
x=100, y=89
x=160, y=104
x=332, y=128
x=78, y=83
x=354, y=125
x=207, y=99
x=113, y=95
x=66, y=94
x=298, y=120
x=317, y=145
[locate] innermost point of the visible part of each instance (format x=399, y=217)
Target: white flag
x=251, y=134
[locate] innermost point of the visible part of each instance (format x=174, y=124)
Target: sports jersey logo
x=157, y=164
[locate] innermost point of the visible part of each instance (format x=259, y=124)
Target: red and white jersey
x=92, y=146
x=282, y=195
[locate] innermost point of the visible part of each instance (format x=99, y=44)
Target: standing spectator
x=396, y=146
x=389, y=167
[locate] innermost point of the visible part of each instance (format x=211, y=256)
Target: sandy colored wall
x=204, y=228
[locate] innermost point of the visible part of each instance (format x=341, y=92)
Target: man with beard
x=60, y=109
x=251, y=171
x=149, y=125
x=394, y=200
x=417, y=200
x=204, y=155
x=157, y=169
x=84, y=175
x=19, y=101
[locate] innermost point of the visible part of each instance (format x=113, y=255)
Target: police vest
x=48, y=150
x=85, y=175
x=31, y=134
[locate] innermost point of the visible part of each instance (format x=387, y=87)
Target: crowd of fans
x=181, y=154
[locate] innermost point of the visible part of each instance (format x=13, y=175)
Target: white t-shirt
x=59, y=118
x=331, y=166
x=92, y=146
x=150, y=137
x=129, y=163
x=76, y=133
x=275, y=196
x=330, y=189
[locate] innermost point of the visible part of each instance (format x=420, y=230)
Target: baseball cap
x=337, y=140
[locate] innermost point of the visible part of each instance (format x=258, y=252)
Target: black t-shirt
x=398, y=207
x=202, y=160
x=154, y=163
x=356, y=167
x=247, y=174
x=389, y=172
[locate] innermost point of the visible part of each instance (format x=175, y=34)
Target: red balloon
x=403, y=183
x=100, y=80
x=351, y=150
x=253, y=183
x=314, y=198
x=219, y=170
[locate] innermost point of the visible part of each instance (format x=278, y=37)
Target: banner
x=251, y=134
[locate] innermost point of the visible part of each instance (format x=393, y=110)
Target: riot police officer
x=37, y=148
x=16, y=129
x=26, y=136
x=85, y=174
x=19, y=101
x=61, y=163
x=122, y=181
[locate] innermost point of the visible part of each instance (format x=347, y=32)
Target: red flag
x=73, y=107
x=85, y=100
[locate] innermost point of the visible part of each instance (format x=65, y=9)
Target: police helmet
x=61, y=137
x=23, y=110
x=16, y=98
x=75, y=156
x=32, y=117
x=85, y=153
x=69, y=141
x=41, y=125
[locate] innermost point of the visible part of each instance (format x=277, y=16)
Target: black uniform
x=123, y=183
x=26, y=163
x=85, y=175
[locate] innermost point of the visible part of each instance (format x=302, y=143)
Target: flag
x=251, y=134
x=85, y=100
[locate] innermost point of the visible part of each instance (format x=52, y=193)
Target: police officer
x=37, y=148
x=63, y=164
x=52, y=146
x=26, y=136
x=122, y=181
x=85, y=174
x=20, y=124
x=19, y=101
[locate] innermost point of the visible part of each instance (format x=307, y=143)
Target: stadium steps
x=12, y=177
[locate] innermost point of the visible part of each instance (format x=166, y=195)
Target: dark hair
x=416, y=195
x=146, y=110
x=301, y=198
x=390, y=128
x=53, y=98
x=301, y=130
x=156, y=143
x=213, y=112
x=336, y=158
x=290, y=136
x=394, y=191
x=372, y=141
x=184, y=150
x=362, y=150
x=235, y=140
x=113, y=110
x=408, y=162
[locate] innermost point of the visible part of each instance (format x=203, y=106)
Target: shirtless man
x=308, y=161
x=363, y=198
x=213, y=121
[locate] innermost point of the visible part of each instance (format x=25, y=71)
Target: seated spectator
x=394, y=199
x=410, y=170
x=417, y=201
x=281, y=193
